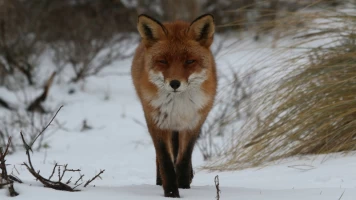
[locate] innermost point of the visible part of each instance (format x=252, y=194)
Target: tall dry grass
x=309, y=105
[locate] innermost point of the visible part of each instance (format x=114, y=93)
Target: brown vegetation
x=312, y=108
x=47, y=182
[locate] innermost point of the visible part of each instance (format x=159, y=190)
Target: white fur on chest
x=178, y=111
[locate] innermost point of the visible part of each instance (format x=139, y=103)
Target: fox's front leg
x=163, y=146
x=184, y=167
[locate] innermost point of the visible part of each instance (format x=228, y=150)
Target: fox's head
x=178, y=55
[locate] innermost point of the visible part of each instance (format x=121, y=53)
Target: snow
x=120, y=144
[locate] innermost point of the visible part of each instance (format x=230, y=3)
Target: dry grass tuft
x=311, y=107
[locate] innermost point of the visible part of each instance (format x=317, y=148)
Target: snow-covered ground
x=120, y=144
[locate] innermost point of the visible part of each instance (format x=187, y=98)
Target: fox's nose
x=174, y=84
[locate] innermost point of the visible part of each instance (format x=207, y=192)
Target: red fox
x=174, y=75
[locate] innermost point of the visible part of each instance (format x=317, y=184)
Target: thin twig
x=217, y=185
x=80, y=178
x=96, y=176
x=7, y=148
x=77, y=186
x=46, y=126
x=69, y=180
x=67, y=170
x=46, y=182
x=59, y=173
x=342, y=195
x=54, y=169
x=15, y=179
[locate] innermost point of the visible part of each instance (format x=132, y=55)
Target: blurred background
x=286, y=72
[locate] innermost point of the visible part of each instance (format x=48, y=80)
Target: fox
x=174, y=76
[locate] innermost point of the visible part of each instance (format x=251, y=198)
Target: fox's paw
x=172, y=194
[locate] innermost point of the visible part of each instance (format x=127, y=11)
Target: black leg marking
x=168, y=173
x=184, y=168
x=158, y=174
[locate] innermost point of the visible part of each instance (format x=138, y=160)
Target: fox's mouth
x=178, y=90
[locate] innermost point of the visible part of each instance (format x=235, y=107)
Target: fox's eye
x=188, y=62
x=163, y=62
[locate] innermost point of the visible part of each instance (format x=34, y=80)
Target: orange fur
x=162, y=56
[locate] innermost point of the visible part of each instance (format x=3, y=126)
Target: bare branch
x=59, y=173
x=4, y=174
x=46, y=182
x=46, y=126
x=69, y=180
x=217, y=186
x=57, y=185
x=77, y=186
x=96, y=176
x=342, y=195
x=54, y=169
x=80, y=178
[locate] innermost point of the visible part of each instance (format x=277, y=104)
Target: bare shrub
x=225, y=12
x=237, y=15
x=87, y=56
x=18, y=120
x=29, y=116
x=5, y=179
x=230, y=111
x=20, y=45
x=87, y=36
x=47, y=182
x=95, y=17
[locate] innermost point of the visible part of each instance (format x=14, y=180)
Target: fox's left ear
x=202, y=29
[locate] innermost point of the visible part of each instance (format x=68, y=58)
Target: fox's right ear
x=150, y=29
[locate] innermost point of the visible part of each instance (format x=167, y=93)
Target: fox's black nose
x=174, y=84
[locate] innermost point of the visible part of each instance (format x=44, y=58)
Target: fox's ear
x=150, y=29
x=202, y=29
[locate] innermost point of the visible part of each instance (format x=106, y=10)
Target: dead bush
x=28, y=115
x=309, y=107
x=60, y=183
x=85, y=35
x=87, y=56
x=230, y=111
x=33, y=122
x=92, y=43
x=20, y=44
